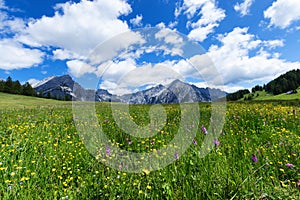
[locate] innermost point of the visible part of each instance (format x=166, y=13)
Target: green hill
x=263, y=95
x=11, y=101
x=283, y=87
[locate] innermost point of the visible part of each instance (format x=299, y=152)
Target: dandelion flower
x=146, y=171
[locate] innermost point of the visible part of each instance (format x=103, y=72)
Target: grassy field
x=8, y=101
x=262, y=95
x=42, y=157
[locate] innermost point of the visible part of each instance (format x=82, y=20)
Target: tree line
x=237, y=95
x=287, y=82
x=15, y=87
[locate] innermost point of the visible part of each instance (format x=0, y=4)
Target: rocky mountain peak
x=177, y=91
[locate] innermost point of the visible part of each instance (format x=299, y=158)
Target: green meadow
x=42, y=156
x=264, y=96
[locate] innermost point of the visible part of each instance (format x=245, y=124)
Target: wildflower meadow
x=256, y=156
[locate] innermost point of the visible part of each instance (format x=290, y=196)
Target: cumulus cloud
x=3, y=6
x=137, y=21
x=283, y=12
x=78, y=68
x=14, y=56
x=78, y=27
x=244, y=7
x=171, y=40
x=60, y=54
x=115, y=46
x=232, y=58
x=10, y=25
x=126, y=76
x=210, y=14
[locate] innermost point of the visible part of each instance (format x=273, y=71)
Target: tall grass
x=42, y=156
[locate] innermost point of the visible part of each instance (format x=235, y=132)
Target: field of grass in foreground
x=42, y=157
x=9, y=101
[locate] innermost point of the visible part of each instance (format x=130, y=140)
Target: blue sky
x=249, y=42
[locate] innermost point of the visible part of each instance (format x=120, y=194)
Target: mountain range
x=64, y=87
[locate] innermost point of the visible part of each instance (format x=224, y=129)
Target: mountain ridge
x=64, y=87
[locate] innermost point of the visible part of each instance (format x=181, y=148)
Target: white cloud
x=201, y=33
x=78, y=68
x=60, y=54
x=172, y=24
x=126, y=76
x=235, y=64
x=149, y=75
x=114, y=71
x=2, y=5
x=243, y=8
x=115, y=46
x=9, y=24
x=14, y=56
x=172, y=42
x=226, y=88
x=283, y=12
x=137, y=21
x=169, y=36
x=210, y=14
x=274, y=43
x=78, y=27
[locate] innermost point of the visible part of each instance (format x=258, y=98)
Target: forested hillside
x=289, y=81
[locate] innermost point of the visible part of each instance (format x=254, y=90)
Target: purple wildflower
x=108, y=153
x=120, y=167
x=217, y=142
x=176, y=155
x=195, y=142
x=254, y=158
x=204, y=129
x=289, y=165
x=151, y=142
x=298, y=183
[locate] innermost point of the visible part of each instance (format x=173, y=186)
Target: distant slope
x=11, y=101
x=283, y=87
x=284, y=83
x=262, y=95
